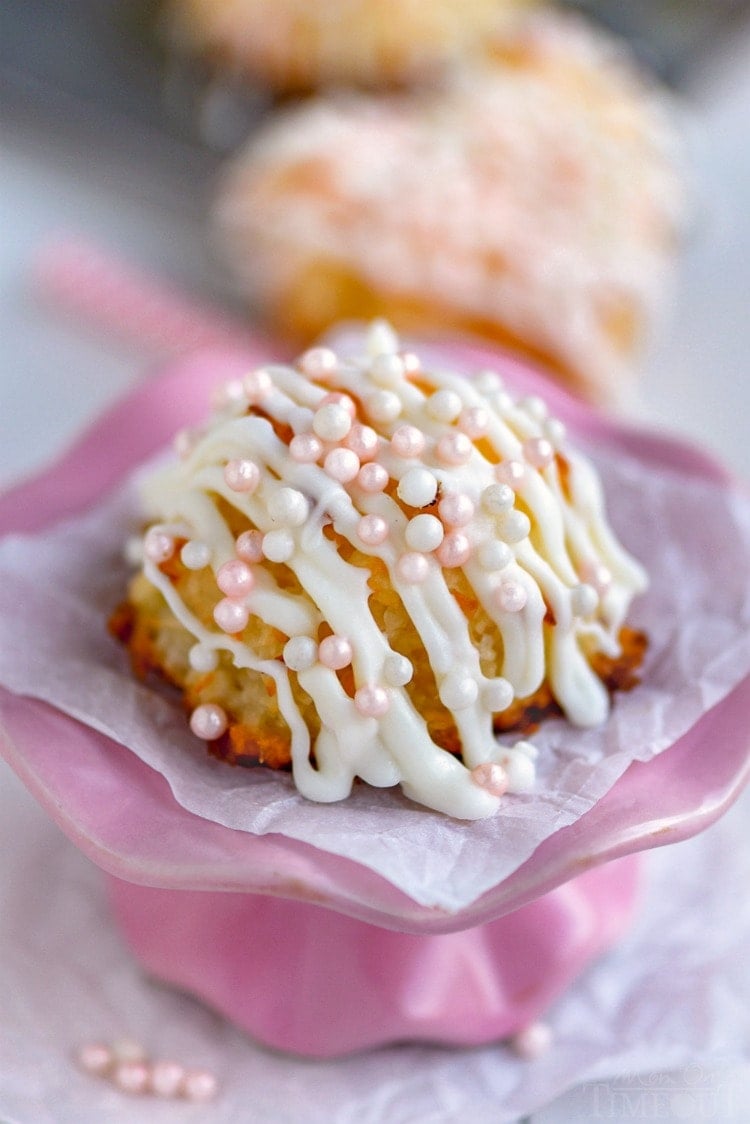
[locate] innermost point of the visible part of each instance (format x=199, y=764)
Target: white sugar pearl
x=497, y=498
x=398, y=670
x=554, y=431
x=289, y=507
x=387, y=369
x=126, y=1049
x=332, y=422
x=514, y=526
x=424, y=533
x=520, y=770
x=502, y=402
x=497, y=695
x=444, y=406
x=383, y=405
x=494, y=555
x=417, y=487
x=278, y=546
x=534, y=406
x=203, y=658
x=457, y=691
x=195, y=555
x=381, y=339
x=487, y=382
x=584, y=600
x=300, y=653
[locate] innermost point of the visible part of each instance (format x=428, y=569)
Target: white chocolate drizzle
x=554, y=556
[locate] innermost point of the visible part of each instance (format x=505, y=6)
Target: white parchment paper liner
x=58, y=588
x=674, y=993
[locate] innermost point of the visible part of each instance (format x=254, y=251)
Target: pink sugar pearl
x=231, y=616
x=372, y=701
x=408, y=441
x=511, y=596
x=158, y=546
x=454, y=550
x=249, y=546
x=336, y=398
x=454, y=448
x=96, y=1058
x=510, y=472
x=411, y=362
x=342, y=465
x=131, y=1077
x=362, y=440
x=474, y=421
x=208, y=722
x=412, y=567
x=305, y=448
x=533, y=1041
x=372, y=530
x=242, y=475
x=167, y=1078
x=257, y=385
x=492, y=777
x=335, y=652
x=597, y=575
x=235, y=578
x=318, y=363
x=372, y=477
x=199, y=1085
x=538, y=452
x=456, y=509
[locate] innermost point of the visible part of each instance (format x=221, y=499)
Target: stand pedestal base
x=307, y=980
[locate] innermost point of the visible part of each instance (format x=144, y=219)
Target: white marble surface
x=142, y=201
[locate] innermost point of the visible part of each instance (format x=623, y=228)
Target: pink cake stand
x=309, y=951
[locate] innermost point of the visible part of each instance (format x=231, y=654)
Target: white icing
x=517, y=578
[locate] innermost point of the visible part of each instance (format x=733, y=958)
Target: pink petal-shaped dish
x=481, y=973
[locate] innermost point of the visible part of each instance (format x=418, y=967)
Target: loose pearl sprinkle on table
x=127, y=1066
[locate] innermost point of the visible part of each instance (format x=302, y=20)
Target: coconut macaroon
x=363, y=568
x=534, y=201
x=296, y=45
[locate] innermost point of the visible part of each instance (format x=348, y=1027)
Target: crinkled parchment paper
x=57, y=589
